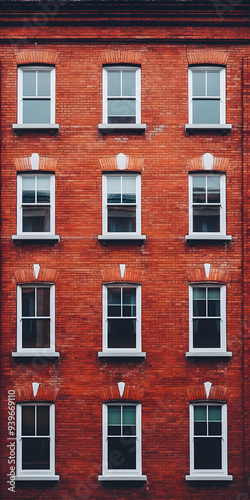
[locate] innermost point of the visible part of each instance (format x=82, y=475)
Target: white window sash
x=222, y=231
x=35, y=350
x=20, y=90
x=121, y=472
x=35, y=472
x=20, y=204
x=105, y=91
x=224, y=468
x=223, y=329
x=105, y=206
x=222, y=97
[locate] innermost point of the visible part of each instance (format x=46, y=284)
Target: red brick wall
x=164, y=263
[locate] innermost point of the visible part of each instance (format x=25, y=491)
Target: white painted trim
x=38, y=237
x=24, y=352
x=121, y=474
x=222, y=97
x=105, y=71
x=218, y=354
x=212, y=477
x=119, y=354
x=107, y=351
x=20, y=72
x=223, y=318
x=32, y=235
x=36, y=474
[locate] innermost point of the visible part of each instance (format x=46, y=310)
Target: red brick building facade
x=125, y=250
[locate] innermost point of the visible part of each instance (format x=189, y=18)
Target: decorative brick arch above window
x=201, y=163
x=131, y=393
x=199, y=275
x=24, y=394
x=36, y=57
x=221, y=394
x=45, y=163
x=28, y=276
x=114, y=275
x=121, y=163
x=122, y=57
x=219, y=57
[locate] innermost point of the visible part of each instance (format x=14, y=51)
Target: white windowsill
x=122, y=237
x=209, y=477
x=35, y=354
x=114, y=127
x=128, y=477
x=119, y=354
x=223, y=127
x=219, y=354
x=35, y=237
x=35, y=126
x=207, y=237
x=37, y=477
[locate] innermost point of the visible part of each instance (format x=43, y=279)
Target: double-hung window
x=207, y=323
x=36, y=319
x=207, y=205
x=207, y=95
x=122, y=319
x=121, y=205
x=122, y=442
x=36, y=204
x=208, y=442
x=36, y=441
x=121, y=95
x=36, y=95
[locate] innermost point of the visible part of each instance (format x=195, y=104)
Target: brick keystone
x=36, y=57
x=28, y=276
x=131, y=393
x=207, y=57
x=25, y=393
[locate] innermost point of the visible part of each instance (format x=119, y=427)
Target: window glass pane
x=43, y=189
x=128, y=83
x=206, y=111
x=207, y=453
x=29, y=83
x=35, y=333
x=28, y=190
x=121, y=111
x=213, y=302
x=206, y=333
x=199, y=189
x=121, y=453
x=114, y=189
x=200, y=413
x=129, y=302
x=36, y=219
x=213, y=83
x=43, y=301
x=43, y=421
x=199, y=88
x=213, y=189
x=128, y=190
x=214, y=421
x=36, y=111
x=199, y=302
x=36, y=453
x=114, y=302
x=114, y=420
x=114, y=83
x=206, y=219
x=28, y=420
x=122, y=219
x=122, y=333
x=43, y=87
x=129, y=415
x=28, y=302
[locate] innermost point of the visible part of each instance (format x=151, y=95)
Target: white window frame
x=222, y=231
x=35, y=474
x=209, y=474
x=123, y=351
x=137, y=71
x=116, y=235
x=36, y=351
x=122, y=474
x=222, y=97
x=20, y=92
x=223, y=340
x=20, y=204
